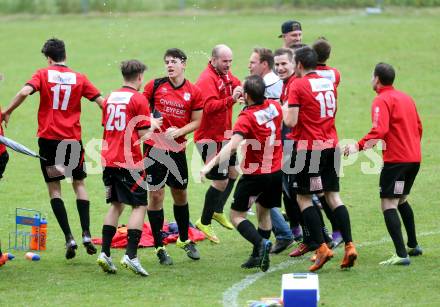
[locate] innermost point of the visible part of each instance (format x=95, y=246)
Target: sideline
x=230, y=296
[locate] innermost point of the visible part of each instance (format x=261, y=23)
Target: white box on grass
x=300, y=289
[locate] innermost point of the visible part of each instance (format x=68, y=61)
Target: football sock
x=156, y=219
x=325, y=235
x=329, y=213
x=60, y=213
x=248, y=231
x=313, y=223
x=212, y=198
x=343, y=220
x=108, y=232
x=263, y=233
x=407, y=215
x=224, y=196
x=392, y=222
x=181, y=214
x=83, y=207
x=292, y=210
x=133, y=238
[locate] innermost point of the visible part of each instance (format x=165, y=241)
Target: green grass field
x=408, y=39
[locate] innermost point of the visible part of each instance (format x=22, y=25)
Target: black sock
x=292, y=210
x=156, y=219
x=225, y=195
x=181, y=214
x=264, y=234
x=248, y=231
x=133, y=238
x=329, y=213
x=407, y=215
x=83, y=207
x=212, y=197
x=313, y=223
x=324, y=230
x=108, y=232
x=343, y=220
x=61, y=214
x=392, y=222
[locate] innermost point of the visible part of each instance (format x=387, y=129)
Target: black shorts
x=264, y=189
x=125, y=186
x=208, y=151
x=318, y=171
x=396, y=179
x=165, y=167
x=4, y=158
x=68, y=162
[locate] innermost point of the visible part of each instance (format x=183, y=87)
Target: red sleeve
x=142, y=108
x=242, y=125
x=104, y=111
x=210, y=94
x=419, y=125
x=198, y=101
x=337, y=78
x=89, y=90
x=292, y=99
x=148, y=90
x=380, y=117
x=35, y=81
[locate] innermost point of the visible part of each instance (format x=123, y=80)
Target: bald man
x=221, y=90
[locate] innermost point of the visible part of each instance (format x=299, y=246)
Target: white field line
x=230, y=296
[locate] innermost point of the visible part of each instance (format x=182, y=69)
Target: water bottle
x=43, y=234
x=33, y=244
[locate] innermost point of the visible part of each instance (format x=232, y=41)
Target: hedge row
x=78, y=6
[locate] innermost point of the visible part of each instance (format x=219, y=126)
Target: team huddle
x=286, y=130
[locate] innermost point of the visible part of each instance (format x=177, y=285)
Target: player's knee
x=156, y=199
x=179, y=196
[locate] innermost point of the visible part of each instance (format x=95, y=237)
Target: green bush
x=77, y=6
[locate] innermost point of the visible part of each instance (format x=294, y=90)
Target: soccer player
x=261, y=63
x=180, y=104
x=397, y=123
x=221, y=91
x=126, y=119
x=311, y=109
x=59, y=134
x=291, y=33
x=323, y=49
x=259, y=125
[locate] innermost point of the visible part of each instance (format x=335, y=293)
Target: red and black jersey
x=330, y=73
x=397, y=123
x=217, y=91
x=61, y=90
x=316, y=99
x=260, y=126
x=2, y=147
x=176, y=105
x=124, y=112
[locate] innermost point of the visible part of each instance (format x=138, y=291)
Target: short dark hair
x=55, y=49
x=265, y=56
x=283, y=51
x=175, y=53
x=307, y=57
x=295, y=46
x=254, y=86
x=385, y=72
x=322, y=48
x=131, y=69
